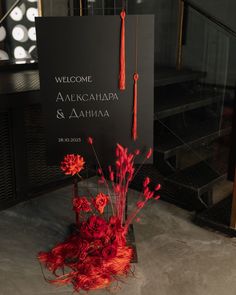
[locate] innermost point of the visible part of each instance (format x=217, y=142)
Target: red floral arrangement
x=97, y=254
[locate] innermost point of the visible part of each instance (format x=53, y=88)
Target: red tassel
x=135, y=107
x=122, y=52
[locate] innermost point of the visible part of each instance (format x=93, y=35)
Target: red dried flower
x=94, y=228
x=112, y=176
x=140, y=204
x=149, y=154
x=84, y=282
x=81, y=248
x=149, y=195
x=100, y=202
x=97, y=244
x=90, y=140
x=120, y=147
x=97, y=253
x=137, y=152
x=114, y=226
x=81, y=204
x=72, y=164
x=146, y=182
x=158, y=187
x=109, y=252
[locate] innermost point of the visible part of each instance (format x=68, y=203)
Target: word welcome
x=74, y=79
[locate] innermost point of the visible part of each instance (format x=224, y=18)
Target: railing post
x=232, y=159
x=233, y=210
x=180, y=35
x=80, y=8
x=40, y=8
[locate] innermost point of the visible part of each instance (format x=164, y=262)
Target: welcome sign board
x=79, y=68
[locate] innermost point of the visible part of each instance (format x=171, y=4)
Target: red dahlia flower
x=72, y=164
x=100, y=202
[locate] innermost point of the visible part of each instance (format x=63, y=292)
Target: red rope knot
x=136, y=77
x=123, y=14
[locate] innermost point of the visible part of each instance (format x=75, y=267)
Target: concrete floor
x=175, y=256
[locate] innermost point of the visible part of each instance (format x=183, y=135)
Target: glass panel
x=194, y=134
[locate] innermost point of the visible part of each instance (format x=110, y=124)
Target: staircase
x=187, y=126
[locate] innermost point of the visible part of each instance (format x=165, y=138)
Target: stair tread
x=198, y=177
x=170, y=75
x=199, y=131
x=168, y=105
x=217, y=217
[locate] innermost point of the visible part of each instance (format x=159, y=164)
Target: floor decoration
x=97, y=254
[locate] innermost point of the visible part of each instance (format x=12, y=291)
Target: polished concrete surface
x=175, y=256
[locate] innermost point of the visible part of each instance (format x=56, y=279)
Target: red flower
x=81, y=204
x=94, y=228
x=146, y=182
x=116, y=231
x=140, y=204
x=83, y=247
x=90, y=140
x=149, y=153
x=158, y=187
x=137, y=152
x=157, y=197
x=72, y=164
x=97, y=244
x=100, y=202
x=109, y=252
x=114, y=226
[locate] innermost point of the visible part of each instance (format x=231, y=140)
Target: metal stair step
x=199, y=177
x=166, y=106
x=217, y=217
x=170, y=140
x=170, y=75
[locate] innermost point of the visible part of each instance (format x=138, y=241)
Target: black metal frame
x=213, y=19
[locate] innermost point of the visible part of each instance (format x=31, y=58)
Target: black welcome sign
x=79, y=73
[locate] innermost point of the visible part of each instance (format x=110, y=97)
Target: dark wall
x=166, y=14
x=166, y=23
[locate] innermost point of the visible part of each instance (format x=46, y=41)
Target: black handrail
x=210, y=17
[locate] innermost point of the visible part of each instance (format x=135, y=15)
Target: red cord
x=135, y=107
x=122, y=52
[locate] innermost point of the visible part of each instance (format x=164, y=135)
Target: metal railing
x=182, y=24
